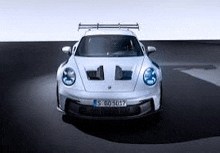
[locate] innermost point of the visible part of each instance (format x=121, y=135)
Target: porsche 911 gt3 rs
x=109, y=75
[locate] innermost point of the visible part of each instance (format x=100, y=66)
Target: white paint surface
x=29, y=20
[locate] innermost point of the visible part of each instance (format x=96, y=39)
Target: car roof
x=109, y=32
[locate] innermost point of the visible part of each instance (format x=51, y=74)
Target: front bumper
x=80, y=104
x=144, y=108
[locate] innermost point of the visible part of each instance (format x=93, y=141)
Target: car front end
x=106, y=99
x=109, y=77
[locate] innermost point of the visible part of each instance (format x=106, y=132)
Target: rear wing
x=108, y=26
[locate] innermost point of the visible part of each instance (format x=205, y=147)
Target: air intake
x=122, y=75
x=96, y=75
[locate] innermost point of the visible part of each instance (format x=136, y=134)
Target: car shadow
x=191, y=112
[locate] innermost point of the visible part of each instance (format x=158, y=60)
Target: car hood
x=109, y=74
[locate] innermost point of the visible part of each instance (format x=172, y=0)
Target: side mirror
x=67, y=50
x=150, y=49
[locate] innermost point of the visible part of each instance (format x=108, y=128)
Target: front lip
x=112, y=118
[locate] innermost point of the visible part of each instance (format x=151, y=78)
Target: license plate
x=109, y=103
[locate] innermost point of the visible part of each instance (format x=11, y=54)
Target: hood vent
x=96, y=75
x=122, y=75
x=99, y=74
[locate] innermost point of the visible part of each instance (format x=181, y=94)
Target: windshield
x=109, y=46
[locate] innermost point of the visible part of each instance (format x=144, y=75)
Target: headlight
x=150, y=77
x=69, y=77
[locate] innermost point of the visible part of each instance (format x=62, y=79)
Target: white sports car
x=109, y=75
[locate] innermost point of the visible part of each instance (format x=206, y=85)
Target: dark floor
x=30, y=122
